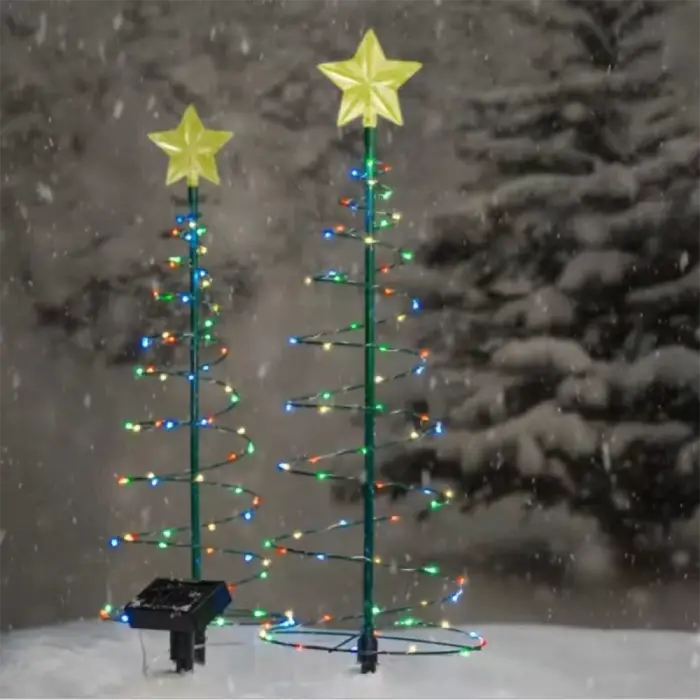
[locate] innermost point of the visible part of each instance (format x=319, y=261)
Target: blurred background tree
x=564, y=292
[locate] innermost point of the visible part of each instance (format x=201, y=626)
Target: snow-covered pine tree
x=565, y=290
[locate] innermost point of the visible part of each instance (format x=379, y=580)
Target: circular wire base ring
x=235, y=617
x=342, y=641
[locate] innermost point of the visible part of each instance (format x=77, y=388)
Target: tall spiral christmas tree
x=369, y=82
x=191, y=150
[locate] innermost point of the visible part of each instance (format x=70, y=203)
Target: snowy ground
x=93, y=659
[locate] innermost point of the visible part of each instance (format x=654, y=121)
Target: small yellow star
x=191, y=149
x=370, y=83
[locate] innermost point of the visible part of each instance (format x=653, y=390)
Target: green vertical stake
x=196, y=549
x=370, y=166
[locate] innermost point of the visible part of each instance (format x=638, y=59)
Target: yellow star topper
x=191, y=149
x=370, y=83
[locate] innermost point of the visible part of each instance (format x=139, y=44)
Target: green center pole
x=196, y=549
x=196, y=541
x=367, y=646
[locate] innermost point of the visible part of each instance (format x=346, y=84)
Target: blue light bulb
x=328, y=233
x=169, y=424
x=248, y=558
x=146, y=342
x=293, y=340
x=248, y=515
x=289, y=407
x=114, y=542
x=415, y=304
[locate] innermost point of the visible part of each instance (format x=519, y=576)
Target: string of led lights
x=362, y=79
x=205, y=351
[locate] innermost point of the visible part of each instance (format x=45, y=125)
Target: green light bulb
x=264, y=575
x=167, y=533
x=432, y=570
x=250, y=449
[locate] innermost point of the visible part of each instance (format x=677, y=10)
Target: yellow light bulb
x=297, y=535
x=369, y=240
x=307, y=280
x=228, y=389
x=378, y=379
x=324, y=409
x=211, y=527
x=449, y=493
x=445, y=624
x=400, y=318
x=241, y=431
x=136, y=428
x=163, y=377
x=150, y=475
x=266, y=562
x=327, y=346
x=199, y=478
x=414, y=435
x=412, y=649
x=289, y=614
x=377, y=560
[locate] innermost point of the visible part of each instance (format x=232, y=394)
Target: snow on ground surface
x=93, y=659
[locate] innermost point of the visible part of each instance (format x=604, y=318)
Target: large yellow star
x=191, y=149
x=370, y=83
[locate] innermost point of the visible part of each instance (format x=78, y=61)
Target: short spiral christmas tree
x=191, y=149
x=370, y=83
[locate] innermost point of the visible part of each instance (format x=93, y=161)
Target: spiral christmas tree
x=369, y=82
x=191, y=149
